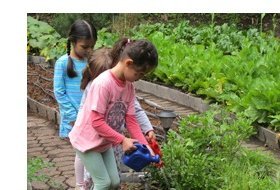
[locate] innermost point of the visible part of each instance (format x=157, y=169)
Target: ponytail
x=99, y=61
x=86, y=77
x=68, y=47
x=142, y=52
x=118, y=49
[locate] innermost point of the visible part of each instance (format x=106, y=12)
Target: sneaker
x=88, y=183
x=65, y=139
x=80, y=187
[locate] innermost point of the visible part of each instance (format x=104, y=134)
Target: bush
x=207, y=154
x=62, y=21
x=42, y=39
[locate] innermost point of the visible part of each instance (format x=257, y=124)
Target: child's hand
x=128, y=146
x=150, y=135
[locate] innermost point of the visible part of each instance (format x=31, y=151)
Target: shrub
x=43, y=39
x=206, y=153
x=62, y=21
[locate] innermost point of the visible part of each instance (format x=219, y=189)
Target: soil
x=40, y=88
x=40, y=84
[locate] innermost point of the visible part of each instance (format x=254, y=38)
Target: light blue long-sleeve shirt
x=67, y=92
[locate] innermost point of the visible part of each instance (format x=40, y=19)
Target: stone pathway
x=43, y=141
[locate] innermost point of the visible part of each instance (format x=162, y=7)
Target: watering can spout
x=155, y=158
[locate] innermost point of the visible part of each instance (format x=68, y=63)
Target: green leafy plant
x=61, y=22
x=239, y=69
x=43, y=39
x=252, y=170
x=34, y=166
x=106, y=38
x=206, y=153
x=220, y=63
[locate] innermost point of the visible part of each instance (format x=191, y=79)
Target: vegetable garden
x=236, y=71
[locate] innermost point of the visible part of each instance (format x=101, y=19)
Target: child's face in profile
x=82, y=48
x=132, y=73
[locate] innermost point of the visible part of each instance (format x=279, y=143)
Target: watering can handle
x=142, y=147
x=137, y=147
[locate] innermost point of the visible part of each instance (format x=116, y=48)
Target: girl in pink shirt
x=108, y=106
x=100, y=61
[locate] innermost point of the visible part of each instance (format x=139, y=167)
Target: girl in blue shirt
x=67, y=80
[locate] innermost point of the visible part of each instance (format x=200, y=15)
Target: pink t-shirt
x=113, y=99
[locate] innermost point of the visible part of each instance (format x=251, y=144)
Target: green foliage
x=275, y=122
x=239, y=69
x=227, y=38
x=63, y=21
x=206, y=153
x=43, y=39
x=252, y=170
x=105, y=38
x=34, y=166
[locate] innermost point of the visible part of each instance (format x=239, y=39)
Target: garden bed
x=40, y=88
x=41, y=99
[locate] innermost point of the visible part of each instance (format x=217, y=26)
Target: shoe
x=65, y=139
x=80, y=187
x=88, y=183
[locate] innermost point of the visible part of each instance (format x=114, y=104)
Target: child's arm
x=132, y=125
x=135, y=131
x=142, y=118
x=60, y=92
x=144, y=121
x=104, y=130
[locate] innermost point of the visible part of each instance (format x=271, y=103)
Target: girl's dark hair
x=100, y=60
x=80, y=29
x=142, y=52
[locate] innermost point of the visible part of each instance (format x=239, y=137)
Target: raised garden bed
x=40, y=88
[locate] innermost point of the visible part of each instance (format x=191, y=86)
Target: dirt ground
x=40, y=84
x=40, y=88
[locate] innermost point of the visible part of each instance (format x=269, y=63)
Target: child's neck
x=118, y=72
x=74, y=55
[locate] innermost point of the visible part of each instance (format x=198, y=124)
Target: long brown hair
x=99, y=61
x=80, y=29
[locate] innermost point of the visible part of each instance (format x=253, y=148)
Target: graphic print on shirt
x=116, y=115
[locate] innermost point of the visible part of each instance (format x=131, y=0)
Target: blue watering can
x=139, y=158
